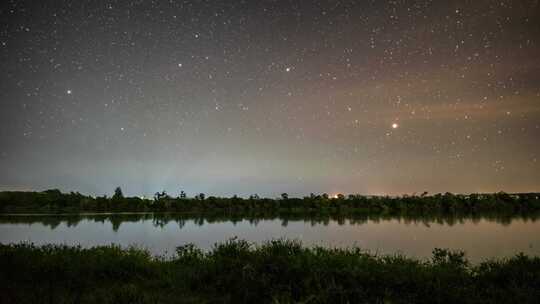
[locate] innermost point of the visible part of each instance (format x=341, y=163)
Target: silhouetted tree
x=284, y=196
x=182, y=194
x=53, y=192
x=201, y=196
x=161, y=195
x=118, y=195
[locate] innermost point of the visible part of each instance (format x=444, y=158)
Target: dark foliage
x=53, y=201
x=275, y=272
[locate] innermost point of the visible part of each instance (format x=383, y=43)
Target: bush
x=278, y=271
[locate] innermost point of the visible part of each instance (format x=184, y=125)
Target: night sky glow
x=242, y=97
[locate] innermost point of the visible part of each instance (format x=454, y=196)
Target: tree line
x=55, y=201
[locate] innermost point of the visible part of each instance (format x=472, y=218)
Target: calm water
x=481, y=238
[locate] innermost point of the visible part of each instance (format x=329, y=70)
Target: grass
x=278, y=271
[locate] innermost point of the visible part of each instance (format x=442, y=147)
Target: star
x=199, y=71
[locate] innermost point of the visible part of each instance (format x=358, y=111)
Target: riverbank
x=276, y=272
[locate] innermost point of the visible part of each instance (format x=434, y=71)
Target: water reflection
x=411, y=234
x=162, y=219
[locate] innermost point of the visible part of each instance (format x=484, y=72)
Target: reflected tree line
x=162, y=219
x=445, y=208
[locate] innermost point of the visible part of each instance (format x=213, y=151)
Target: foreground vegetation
x=276, y=272
x=53, y=201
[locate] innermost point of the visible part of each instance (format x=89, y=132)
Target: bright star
x=395, y=126
x=68, y=92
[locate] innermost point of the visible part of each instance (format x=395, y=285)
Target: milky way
x=242, y=97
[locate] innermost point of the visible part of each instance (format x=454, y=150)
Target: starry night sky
x=241, y=97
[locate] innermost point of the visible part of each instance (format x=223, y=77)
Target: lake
x=479, y=237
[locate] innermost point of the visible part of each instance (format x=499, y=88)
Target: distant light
x=179, y=65
x=68, y=92
x=288, y=69
x=395, y=126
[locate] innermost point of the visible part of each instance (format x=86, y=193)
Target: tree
x=118, y=194
x=201, y=196
x=161, y=195
x=53, y=192
x=284, y=196
x=182, y=194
